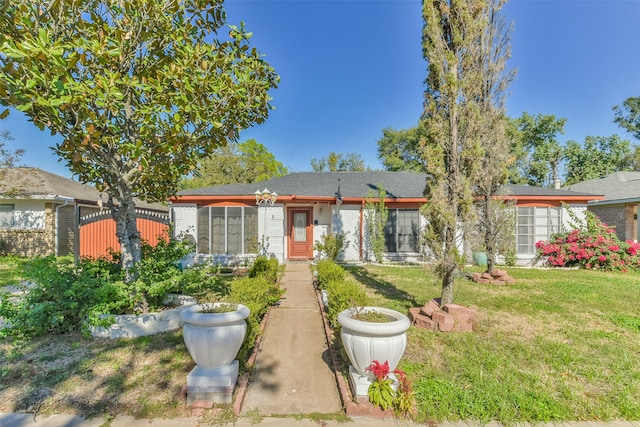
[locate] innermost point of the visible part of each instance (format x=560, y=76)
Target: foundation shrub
x=62, y=294
x=329, y=271
x=267, y=267
x=331, y=245
x=258, y=294
x=343, y=295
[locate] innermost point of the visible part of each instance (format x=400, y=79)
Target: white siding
x=346, y=220
x=271, y=231
x=580, y=212
x=185, y=219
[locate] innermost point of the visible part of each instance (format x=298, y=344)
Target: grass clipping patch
x=74, y=375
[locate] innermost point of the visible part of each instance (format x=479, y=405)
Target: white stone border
x=132, y=326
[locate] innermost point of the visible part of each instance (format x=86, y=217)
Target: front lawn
x=557, y=345
x=10, y=270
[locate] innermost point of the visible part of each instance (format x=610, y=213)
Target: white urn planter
x=366, y=341
x=213, y=341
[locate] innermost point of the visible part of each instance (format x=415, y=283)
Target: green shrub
x=331, y=245
x=329, y=271
x=343, y=295
x=511, y=257
x=258, y=294
x=158, y=273
x=592, y=245
x=61, y=294
x=266, y=267
x=201, y=283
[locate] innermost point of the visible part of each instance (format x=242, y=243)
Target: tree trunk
x=449, y=268
x=489, y=241
x=450, y=265
x=129, y=238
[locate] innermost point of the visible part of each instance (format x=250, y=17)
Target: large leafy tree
x=538, y=149
x=399, y=149
x=627, y=115
x=338, y=162
x=241, y=163
x=139, y=90
x=597, y=157
x=452, y=46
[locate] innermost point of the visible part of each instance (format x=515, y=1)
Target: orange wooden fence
x=97, y=233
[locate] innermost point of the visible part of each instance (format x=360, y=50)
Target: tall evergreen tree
x=456, y=99
x=541, y=153
x=496, y=138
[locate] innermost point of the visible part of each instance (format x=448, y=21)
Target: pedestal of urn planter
x=212, y=384
x=366, y=341
x=213, y=341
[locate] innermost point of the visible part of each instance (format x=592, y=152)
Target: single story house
x=42, y=213
x=619, y=207
x=284, y=217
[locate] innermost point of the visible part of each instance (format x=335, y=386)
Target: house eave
x=289, y=198
x=627, y=201
x=564, y=198
x=45, y=197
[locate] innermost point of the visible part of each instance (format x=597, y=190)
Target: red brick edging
x=360, y=407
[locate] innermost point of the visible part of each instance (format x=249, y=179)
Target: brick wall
x=30, y=243
x=66, y=230
x=622, y=217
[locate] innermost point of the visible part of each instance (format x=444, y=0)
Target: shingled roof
x=325, y=184
x=35, y=182
x=30, y=182
x=357, y=184
x=527, y=190
x=618, y=185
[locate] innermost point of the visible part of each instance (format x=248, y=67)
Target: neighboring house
x=619, y=208
x=228, y=226
x=42, y=213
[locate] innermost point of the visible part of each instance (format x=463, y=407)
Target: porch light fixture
x=265, y=197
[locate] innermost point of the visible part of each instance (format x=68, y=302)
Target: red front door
x=300, y=233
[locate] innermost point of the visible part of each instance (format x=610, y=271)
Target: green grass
x=139, y=377
x=558, y=345
x=10, y=270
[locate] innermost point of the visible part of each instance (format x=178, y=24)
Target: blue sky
x=350, y=68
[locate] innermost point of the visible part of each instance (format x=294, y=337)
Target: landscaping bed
x=74, y=373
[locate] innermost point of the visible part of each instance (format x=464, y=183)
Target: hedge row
x=342, y=292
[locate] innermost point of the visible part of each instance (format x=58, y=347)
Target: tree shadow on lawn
x=384, y=288
x=91, y=377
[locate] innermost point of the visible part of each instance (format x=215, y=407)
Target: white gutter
x=614, y=201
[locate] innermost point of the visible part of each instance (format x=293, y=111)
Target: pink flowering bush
x=594, y=246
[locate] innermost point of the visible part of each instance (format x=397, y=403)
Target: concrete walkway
x=293, y=374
